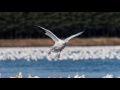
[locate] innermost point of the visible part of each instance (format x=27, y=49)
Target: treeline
x=22, y=24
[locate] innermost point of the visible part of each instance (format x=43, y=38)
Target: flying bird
x=59, y=44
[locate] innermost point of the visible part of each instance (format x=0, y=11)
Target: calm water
x=91, y=61
x=45, y=68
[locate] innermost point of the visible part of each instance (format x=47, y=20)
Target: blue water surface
x=45, y=68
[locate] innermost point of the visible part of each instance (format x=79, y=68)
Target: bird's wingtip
x=83, y=31
x=43, y=29
x=37, y=26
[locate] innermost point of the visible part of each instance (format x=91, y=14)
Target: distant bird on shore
x=30, y=76
x=59, y=44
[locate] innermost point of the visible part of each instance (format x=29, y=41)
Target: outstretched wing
x=67, y=39
x=49, y=33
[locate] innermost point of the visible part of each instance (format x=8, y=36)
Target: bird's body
x=30, y=76
x=59, y=46
x=59, y=43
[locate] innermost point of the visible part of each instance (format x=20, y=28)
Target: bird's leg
x=50, y=51
x=59, y=54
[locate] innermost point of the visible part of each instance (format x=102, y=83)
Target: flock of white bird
x=19, y=75
x=73, y=53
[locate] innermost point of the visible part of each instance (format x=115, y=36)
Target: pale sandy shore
x=49, y=42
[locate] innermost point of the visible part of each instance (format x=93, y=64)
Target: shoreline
x=49, y=42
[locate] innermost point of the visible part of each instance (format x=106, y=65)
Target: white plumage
x=59, y=44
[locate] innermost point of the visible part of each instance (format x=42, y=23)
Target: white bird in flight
x=59, y=44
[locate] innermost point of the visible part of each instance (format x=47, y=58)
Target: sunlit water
x=92, y=61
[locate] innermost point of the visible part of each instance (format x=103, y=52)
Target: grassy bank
x=49, y=42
